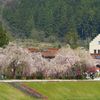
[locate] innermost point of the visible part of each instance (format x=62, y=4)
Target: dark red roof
x=53, y=49
x=33, y=50
x=50, y=53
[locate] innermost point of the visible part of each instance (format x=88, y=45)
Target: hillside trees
x=55, y=18
x=4, y=40
x=72, y=39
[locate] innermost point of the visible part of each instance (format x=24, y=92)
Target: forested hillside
x=53, y=20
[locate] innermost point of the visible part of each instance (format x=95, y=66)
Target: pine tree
x=4, y=40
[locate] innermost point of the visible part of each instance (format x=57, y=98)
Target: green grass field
x=7, y=92
x=54, y=91
x=68, y=90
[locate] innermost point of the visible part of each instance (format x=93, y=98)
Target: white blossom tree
x=18, y=61
x=15, y=57
x=61, y=65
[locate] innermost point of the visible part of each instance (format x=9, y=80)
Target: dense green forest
x=68, y=21
x=4, y=38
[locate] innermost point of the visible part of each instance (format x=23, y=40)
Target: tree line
x=69, y=21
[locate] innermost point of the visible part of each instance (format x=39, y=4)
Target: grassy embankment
x=68, y=90
x=7, y=92
x=54, y=91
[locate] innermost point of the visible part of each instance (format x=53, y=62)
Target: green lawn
x=7, y=92
x=68, y=90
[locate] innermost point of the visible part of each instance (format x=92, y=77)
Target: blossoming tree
x=17, y=62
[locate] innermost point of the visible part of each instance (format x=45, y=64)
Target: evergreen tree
x=55, y=18
x=4, y=40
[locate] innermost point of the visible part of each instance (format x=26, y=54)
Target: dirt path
x=29, y=91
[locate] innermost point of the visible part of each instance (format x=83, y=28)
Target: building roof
x=53, y=49
x=33, y=50
x=50, y=53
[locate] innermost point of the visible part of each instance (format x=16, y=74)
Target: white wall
x=94, y=44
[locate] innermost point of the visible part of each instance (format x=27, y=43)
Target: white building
x=94, y=49
x=94, y=46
